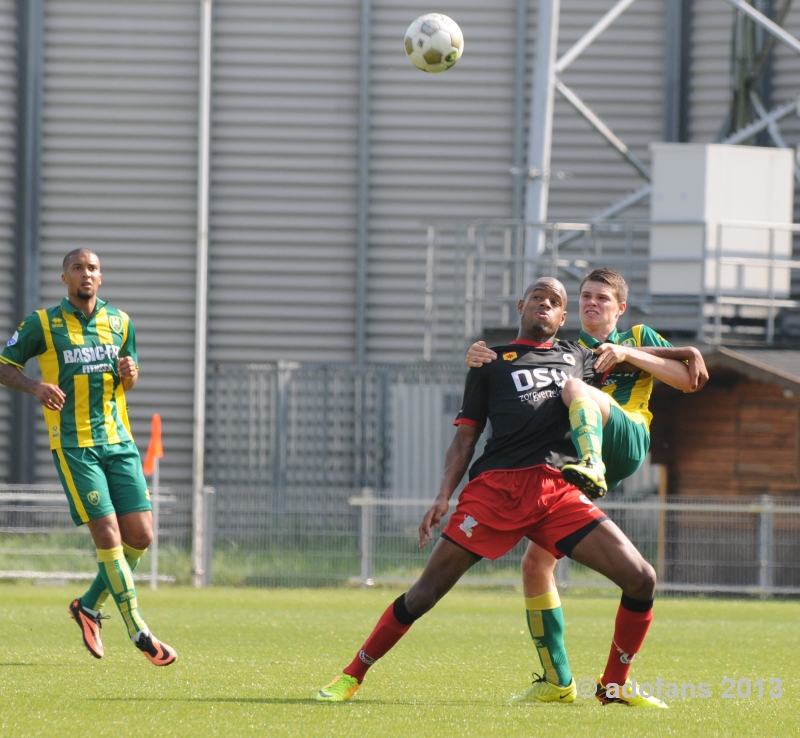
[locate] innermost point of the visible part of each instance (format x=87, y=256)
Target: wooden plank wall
x=735, y=437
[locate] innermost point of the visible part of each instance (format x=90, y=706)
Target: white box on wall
x=696, y=188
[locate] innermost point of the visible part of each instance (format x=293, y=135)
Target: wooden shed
x=740, y=435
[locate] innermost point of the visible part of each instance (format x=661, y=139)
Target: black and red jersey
x=520, y=394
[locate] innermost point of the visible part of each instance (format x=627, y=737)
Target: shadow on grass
x=17, y=663
x=282, y=701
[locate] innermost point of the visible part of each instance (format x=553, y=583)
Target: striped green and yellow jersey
x=631, y=390
x=79, y=354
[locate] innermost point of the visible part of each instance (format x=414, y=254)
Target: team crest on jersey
x=13, y=339
x=509, y=356
x=56, y=323
x=93, y=497
x=467, y=526
x=629, y=342
x=570, y=359
x=116, y=323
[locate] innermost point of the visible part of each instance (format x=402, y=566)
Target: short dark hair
x=610, y=277
x=75, y=252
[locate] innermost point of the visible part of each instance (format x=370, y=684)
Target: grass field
x=251, y=661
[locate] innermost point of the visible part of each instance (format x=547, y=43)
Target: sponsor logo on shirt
x=570, y=359
x=88, y=354
x=13, y=339
x=509, y=356
x=56, y=323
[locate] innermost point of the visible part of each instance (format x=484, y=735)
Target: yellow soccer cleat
x=339, y=690
x=626, y=694
x=544, y=691
x=589, y=477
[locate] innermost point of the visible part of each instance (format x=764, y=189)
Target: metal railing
x=38, y=539
x=476, y=272
x=697, y=545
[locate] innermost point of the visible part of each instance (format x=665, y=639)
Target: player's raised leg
x=445, y=567
x=589, y=411
x=607, y=550
x=546, y=626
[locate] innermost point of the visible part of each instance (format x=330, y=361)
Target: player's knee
x=421, y=598
x=573, y=388
x=536, y=574
x=642, y=583
x=141, y=539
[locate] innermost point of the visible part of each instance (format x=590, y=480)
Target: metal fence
x=734, y=546
x=742, y=283
x=320, y=475
x=697, y=545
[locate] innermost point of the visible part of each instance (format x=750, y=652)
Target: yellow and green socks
x=546, y=625
x=586, y=429
x=116, y=573
x=95, y=597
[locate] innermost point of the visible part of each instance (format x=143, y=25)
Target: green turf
x=251, y=661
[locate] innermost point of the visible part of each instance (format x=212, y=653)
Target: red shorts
x=499, y=508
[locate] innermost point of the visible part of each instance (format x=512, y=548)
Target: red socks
x=386, y=633
x=632, y=624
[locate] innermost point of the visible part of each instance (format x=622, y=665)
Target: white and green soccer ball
x=434, y=42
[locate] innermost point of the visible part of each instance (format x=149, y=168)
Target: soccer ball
x=434, y=42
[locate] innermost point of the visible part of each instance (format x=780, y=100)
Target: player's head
x=81, y=273
x=603, y=300
x=542, y=309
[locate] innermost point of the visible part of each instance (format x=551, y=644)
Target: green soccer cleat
x=636, y=699
x=587, y=476
x=544, y=691
x=339, y=690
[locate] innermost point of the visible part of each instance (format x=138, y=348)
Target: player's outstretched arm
x=698, y=373
x=479, y=354
x=50, y=395
x=456, y=461
x=671, y=372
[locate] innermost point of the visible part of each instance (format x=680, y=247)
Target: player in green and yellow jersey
x=611, y=431
x=87, y=354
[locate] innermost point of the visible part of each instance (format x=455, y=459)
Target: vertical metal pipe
x=677, y=58
x=200, y=576
x=362, y=243
x=518, y=150
x=541, y=123
x=156, y=502
x=367, y=533
x=30, y=71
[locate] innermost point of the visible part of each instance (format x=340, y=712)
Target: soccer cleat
x=587, y=476
x=544, y=691
x=90, y=628
x=155, y=651
x=339, y=690
x=637, y=699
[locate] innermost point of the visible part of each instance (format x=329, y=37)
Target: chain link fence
x=320, y=474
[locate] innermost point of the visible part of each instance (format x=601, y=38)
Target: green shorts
x=625, y=445
x=102, y=480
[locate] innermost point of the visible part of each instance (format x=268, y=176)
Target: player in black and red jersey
x=516, y=489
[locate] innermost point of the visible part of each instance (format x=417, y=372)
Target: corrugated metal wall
x=8, y=119
x=710, y=90
x=440, y=149
x=621, y=77
x=284, y=180
x=120, y=163
x=120, y=176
